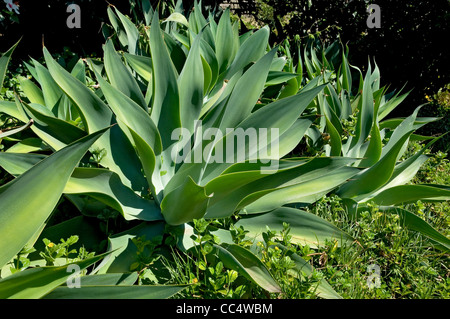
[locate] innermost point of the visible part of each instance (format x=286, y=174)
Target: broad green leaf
x=120, y=77
x=346, y=74
x=27, y=201
x=251, y=50
x=389, y=106
x=50, y=89
x=35, y=283
x=16, y=130
x=4, y=61
x=124, y=251
x=119, y=155
x=410, y=193
x=335, y=139
x=101, y=184
x=179, y=18
x=54, y=131
x=184, y=204
x=106, y=187
x=141, y=64
x=246, y=92
x=116, y=292
x=247, y=264
x=307, y=192
x=191, y=86
x=33, y=93
x=225, y=46
x=373, y=152
x=374, y=177
x=238, y=197
x=275, y=78
x=415, y=223
x=144, y=134
x=306, y=228
x=166, y=105
x=27, y=145
x=16, y=163
x=131, y=31
x=11, y=109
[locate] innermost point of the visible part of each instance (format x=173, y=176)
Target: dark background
x=411, y=48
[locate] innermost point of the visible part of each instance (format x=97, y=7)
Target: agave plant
x=378, y=144
x=158, y=119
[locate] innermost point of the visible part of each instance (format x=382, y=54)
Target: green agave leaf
x=374, y=177
x=179, y=18
x=374, y=150
x=16, y=130
x=306, y=228
x=322, y=288
x=50, y=89
x=119, y=155
x=166, y=105
x=106, y=187
x=275, y=78
x=406, y=170
x=33, y=93
x=246, y=92
x=131, y=31
x=148, y=11
x=118, y=27
x=365, y=117
x=141, y=64
x=101, y=184
x=116, y=292
x=389, y=106
x=11, y=109
x=335, y=139
x=346, y=74
x=307, y=192
x=16, y=163
x=27, y=145
x=184, y=204
x=225, y=46
x=35, y=283
x=191, y=86
x=176, y=51
x=247, y=264
x=405, y=128
x=95, y=114
x=54, y=131
x=27, y=201
x=416, y=223
x=292, y=137
x=124, y=251
x=238, y=197
x=131, y=117
x=116, y=279
x=120, y=77
x=251, y=50
x=410, y=193
x=395, y=122
x=4, y=61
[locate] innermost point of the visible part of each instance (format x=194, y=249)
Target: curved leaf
x=27, y=201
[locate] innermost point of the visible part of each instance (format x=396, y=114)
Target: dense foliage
x=100, y=167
